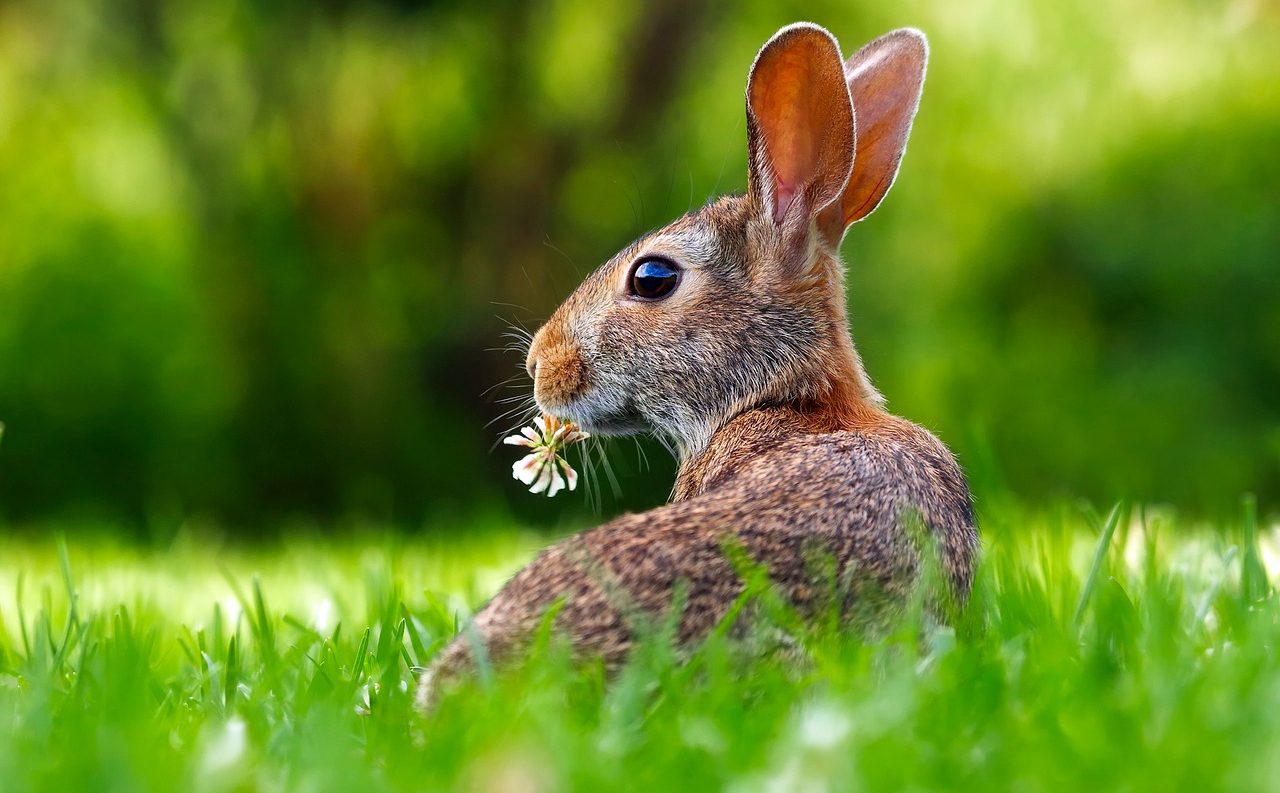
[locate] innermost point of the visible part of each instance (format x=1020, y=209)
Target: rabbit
x=726, y=332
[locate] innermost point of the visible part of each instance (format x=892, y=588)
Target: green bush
x=255, y=258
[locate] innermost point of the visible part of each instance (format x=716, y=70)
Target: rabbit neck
x=828, y=392
x=846, y=404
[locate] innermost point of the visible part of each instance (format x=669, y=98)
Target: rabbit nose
x=531, y=359
x=536, y=347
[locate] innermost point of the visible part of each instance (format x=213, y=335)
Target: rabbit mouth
x=607, y=423
x=613, y=426
x=599, y=419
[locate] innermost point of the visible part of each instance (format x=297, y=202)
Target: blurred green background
x=256, y=259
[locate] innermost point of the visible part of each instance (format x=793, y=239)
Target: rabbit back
x=846, y=499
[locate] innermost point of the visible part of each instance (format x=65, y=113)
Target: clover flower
x=544, y=469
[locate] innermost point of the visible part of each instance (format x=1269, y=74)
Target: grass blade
x=1253, y=573
x=1099, y=555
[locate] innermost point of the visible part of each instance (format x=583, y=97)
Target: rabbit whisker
x=521, y=409
x=642, y=457
x=510, y=382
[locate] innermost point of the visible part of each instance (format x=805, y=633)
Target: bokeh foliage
x=253, y=256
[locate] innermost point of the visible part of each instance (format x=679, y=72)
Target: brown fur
x=749, y=370
x=557, y=369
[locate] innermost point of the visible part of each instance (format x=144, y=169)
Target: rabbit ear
x=885, y=79
x=799, y=127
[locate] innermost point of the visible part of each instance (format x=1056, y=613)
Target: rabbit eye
x=654, y=279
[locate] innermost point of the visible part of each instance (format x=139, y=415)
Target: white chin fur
x=596, y=419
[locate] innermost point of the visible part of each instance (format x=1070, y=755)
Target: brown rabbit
x=726, y=332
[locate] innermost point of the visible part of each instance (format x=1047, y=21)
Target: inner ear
x=800, y=124
x=885, y=79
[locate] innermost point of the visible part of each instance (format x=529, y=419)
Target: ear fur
x=885, y=79
x=800, y=131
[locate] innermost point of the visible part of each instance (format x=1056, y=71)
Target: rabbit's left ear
x=799, y=128
x=885, y=79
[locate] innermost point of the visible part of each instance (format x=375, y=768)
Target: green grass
x=1121, y=653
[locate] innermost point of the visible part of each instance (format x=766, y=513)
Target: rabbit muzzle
x=556, y=366
x=563, y=387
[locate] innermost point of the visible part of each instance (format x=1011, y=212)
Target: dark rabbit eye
x=654, y=279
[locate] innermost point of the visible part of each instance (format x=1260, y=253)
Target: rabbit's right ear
x=885, y=79
x=799, y=130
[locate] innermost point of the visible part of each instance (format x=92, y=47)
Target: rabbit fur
x=748, y=369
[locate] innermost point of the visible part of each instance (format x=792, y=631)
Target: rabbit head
x=741, y=303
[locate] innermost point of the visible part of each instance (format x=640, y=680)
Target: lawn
x=1127, y=651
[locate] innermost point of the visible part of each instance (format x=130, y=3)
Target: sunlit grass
x=1126, y=652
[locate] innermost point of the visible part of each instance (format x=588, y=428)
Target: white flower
x=543, y=469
